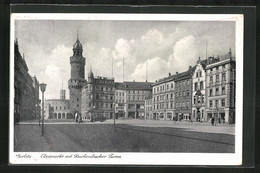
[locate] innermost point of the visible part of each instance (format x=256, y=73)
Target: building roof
x=186, y=74
x=138, y=85
x=204, y=63
x=119, y=85
x=134, y=85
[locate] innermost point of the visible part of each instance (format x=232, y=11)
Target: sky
x=161, y=46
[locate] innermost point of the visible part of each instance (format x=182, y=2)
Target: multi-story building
x=199, y=91
x=58, y=108
x=98, y=96
x=130, y=98
x=120, y=99
x=220, y=87
x=163, y=98
x=26, y=90
x=149, y=107
x=36, y=97
x=183, y=94
x=77, y=80
x=135, y=98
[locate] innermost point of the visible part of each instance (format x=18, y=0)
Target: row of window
x=148, y=108
x=136, y=98
x=120, y=94
x=56, y=108
x=100, y=96
x=223, y=91
x=223, y=78
x=182, y=83
x=100, y=88
x=120, y=101
x=217, y=68
x=182, y=94
x=100, y=105
x=211, y=102
x=136, y=92
x=161, y=88
x=198, y=74
x=198, y=86
x=161, y=106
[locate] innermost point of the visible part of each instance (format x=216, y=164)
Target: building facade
x=120, y=100
x=58, y=108
x=220, y=87
x=130, y=99
x=98, y=96
x=199, y=91
x=135, y=98
x=26, y=90
x=77, y=79
x=183, y=94
x=163, y=98
x=149, y=107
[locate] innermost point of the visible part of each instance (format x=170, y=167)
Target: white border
x=139, y=158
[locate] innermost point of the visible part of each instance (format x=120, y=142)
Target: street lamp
x=43, y=87
x=114, y=115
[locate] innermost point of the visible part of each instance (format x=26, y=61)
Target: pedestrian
x=80, y=118
x=76, y=116
x=212, y=121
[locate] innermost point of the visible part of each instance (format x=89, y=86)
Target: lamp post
x=114, y=115
x=43, y=87
x=39, y=112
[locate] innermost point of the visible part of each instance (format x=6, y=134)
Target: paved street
x=126, y=136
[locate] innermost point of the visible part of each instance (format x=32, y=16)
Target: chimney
x=170, y=74
x=176, y=72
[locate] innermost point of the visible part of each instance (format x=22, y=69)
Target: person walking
x=212, y=121
x=76, y=116
x=80, y=118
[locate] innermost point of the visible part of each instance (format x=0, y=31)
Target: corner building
x=77, y=80
x=220, y=87
x=26, y=90
x=98, y=95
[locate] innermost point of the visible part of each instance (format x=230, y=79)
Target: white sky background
x=167, y=46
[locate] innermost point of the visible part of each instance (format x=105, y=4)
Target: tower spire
x=112, y=67
x=206, y=48
x=146, y=70
x=123, y=69
x=77, y=34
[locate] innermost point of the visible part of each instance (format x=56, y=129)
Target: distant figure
x=212, y=121
x=76, y=116
x=223, y=120
x=79, y=118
